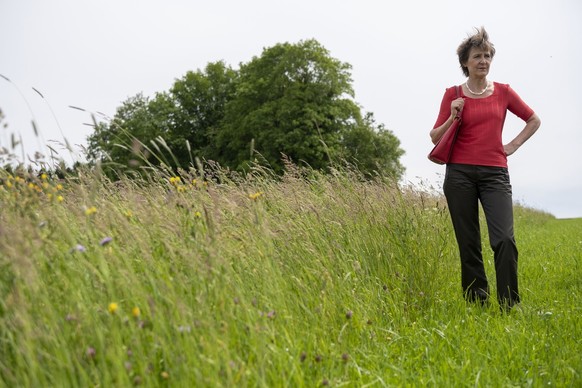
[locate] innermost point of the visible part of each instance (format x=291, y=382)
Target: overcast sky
x=96, y=54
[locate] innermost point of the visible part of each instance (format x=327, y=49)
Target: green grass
x=308, y=280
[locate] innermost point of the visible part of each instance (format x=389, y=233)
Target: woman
x=477, y=171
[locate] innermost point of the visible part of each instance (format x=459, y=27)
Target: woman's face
x=479, y=62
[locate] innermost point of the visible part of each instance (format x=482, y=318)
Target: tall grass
x=305, y=280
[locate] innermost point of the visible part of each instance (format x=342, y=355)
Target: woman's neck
x=477, y=86
x=477, y=83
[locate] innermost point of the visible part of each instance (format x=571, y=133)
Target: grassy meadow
x=301, y=281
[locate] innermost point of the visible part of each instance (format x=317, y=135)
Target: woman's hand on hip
x=509, y=149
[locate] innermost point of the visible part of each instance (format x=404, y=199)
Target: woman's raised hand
x=457, y=107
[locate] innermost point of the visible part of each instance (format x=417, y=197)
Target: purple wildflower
x=105, y=241
x=78, y=248
x=91, y=352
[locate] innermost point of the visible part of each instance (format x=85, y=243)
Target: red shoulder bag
x=441, y=153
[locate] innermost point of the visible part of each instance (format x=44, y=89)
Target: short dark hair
x=480, y=40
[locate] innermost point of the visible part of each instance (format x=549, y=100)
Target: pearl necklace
x=472, y=92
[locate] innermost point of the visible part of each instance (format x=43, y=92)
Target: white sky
x=96, y=54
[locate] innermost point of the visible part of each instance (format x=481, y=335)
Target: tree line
x=293, y=101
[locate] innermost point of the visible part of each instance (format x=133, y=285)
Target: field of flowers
x=191, y=279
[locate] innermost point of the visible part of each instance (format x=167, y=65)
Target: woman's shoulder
x=504, y=90
x=453, y=91
x=500, y=85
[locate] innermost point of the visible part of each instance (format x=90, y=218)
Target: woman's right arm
x=438, y=132
x=455, y=108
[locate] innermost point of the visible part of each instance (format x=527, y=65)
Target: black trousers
x=464, y=187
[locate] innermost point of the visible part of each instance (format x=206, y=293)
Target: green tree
x=296, y=100
x=371, y=147
x=292, y=100
x=185, y=118
x=200, y=98
x=137, y=122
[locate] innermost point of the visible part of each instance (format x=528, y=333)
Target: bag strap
x=458, y=90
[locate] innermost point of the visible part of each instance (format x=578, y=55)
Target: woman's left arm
x=531, y=126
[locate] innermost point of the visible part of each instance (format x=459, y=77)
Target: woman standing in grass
x=477, y=171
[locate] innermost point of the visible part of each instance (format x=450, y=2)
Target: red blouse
x=479, y=141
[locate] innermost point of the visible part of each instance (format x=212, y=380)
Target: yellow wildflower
x=60, y=198
x=175, y=180
x=59, y=187
x=135, y=312
x=165, y=375
x=44, y=177
x=112, y=308
x=90, y=211
x=256, y=195
x=197, y=214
